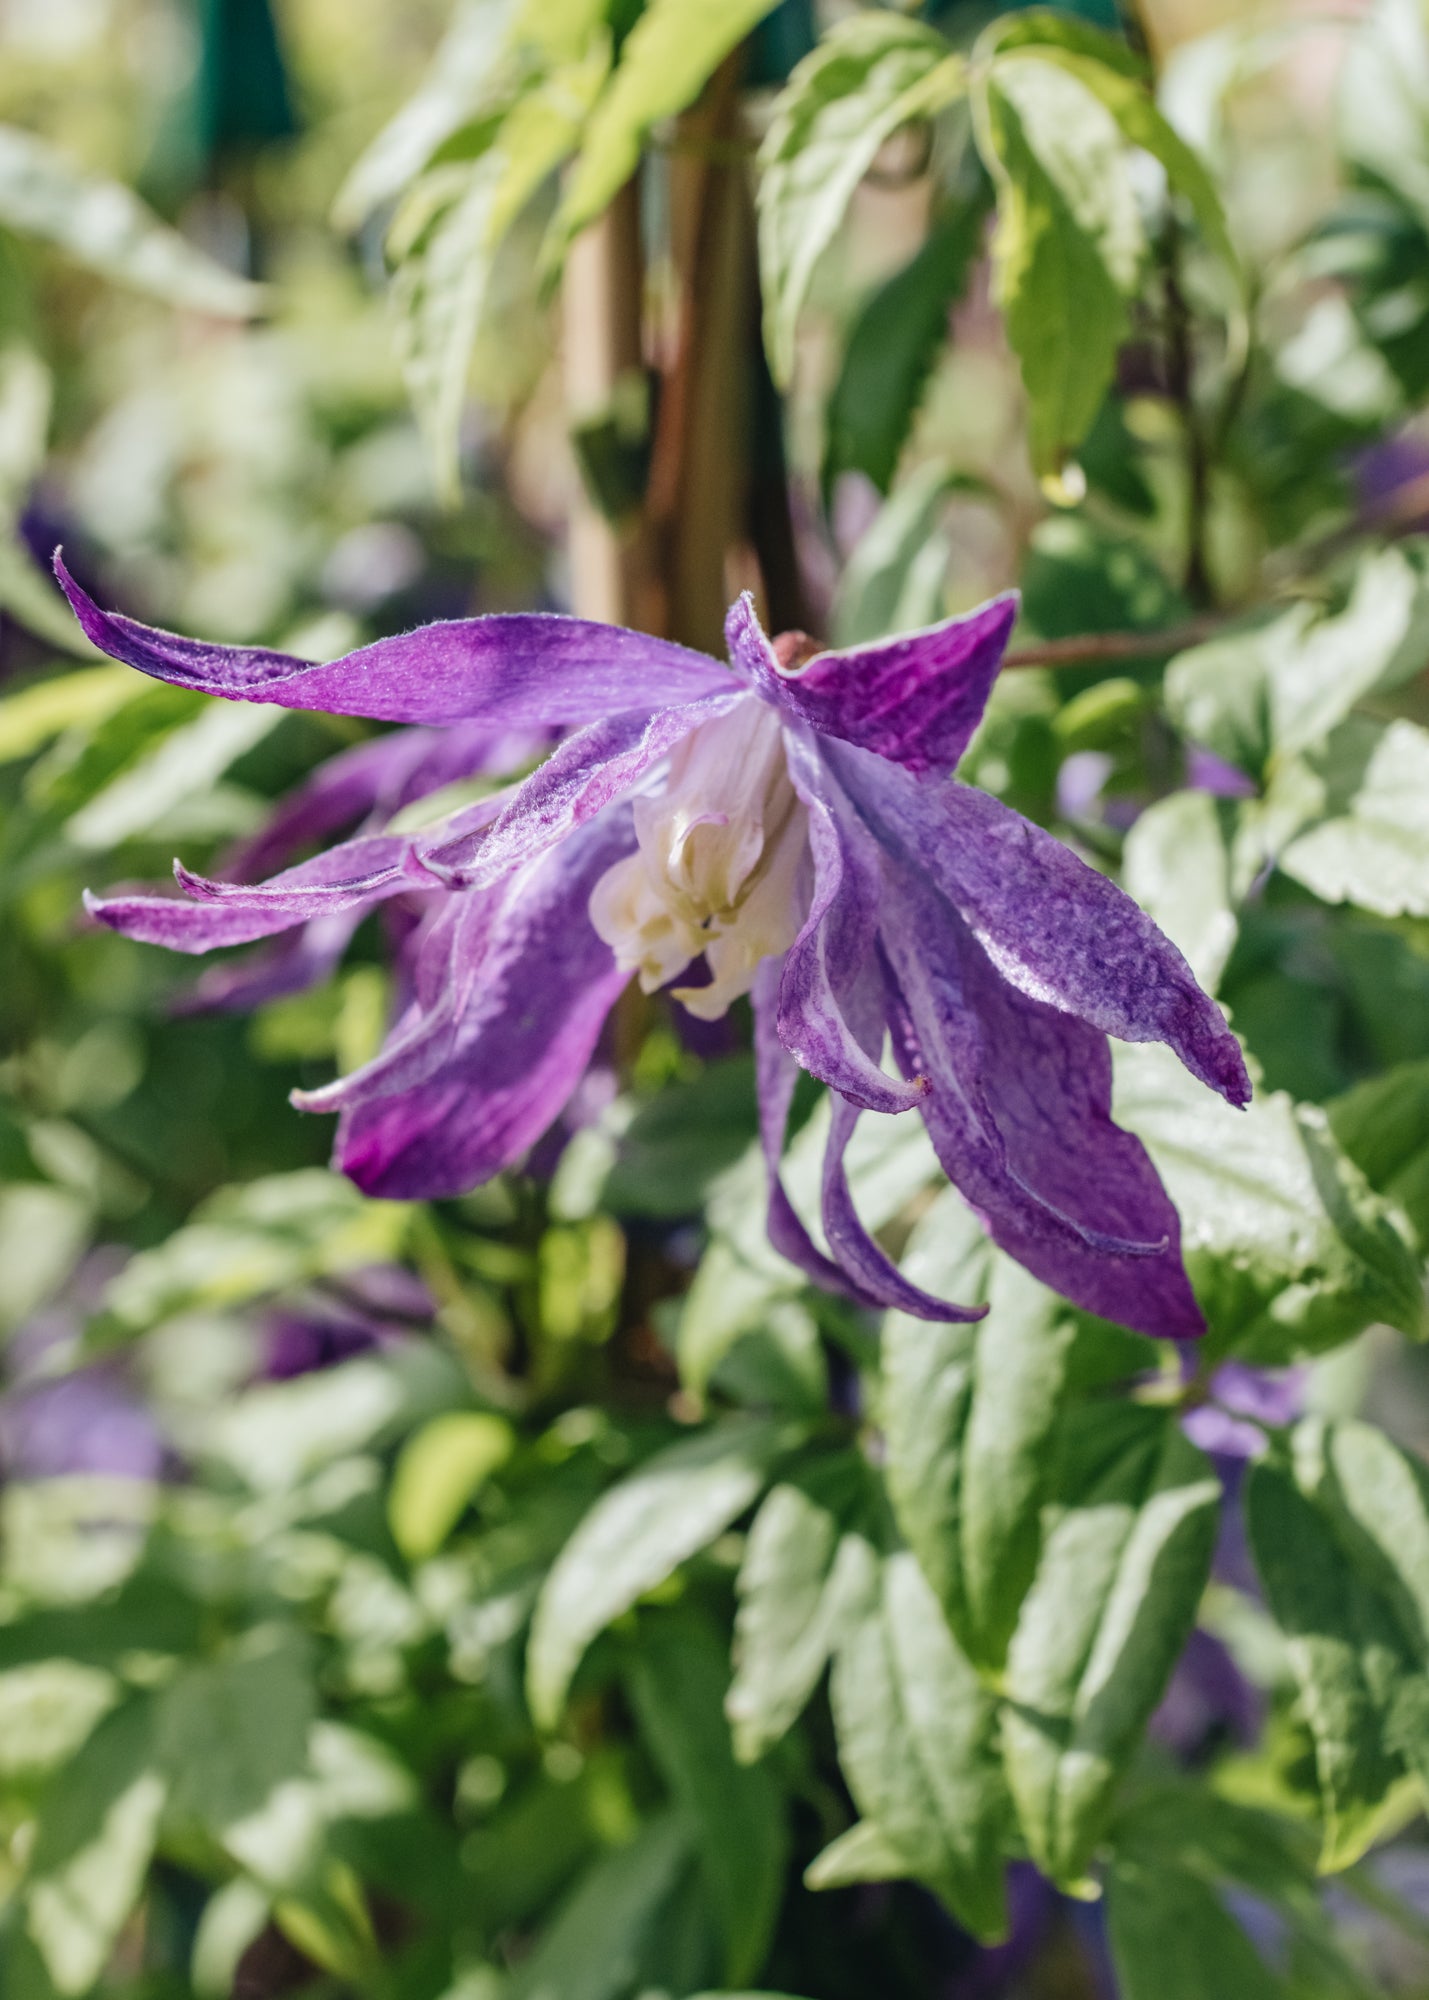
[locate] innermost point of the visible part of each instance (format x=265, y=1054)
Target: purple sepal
x=915, y=699
x=540, y=989
x=515, y=670
x=1054, y=928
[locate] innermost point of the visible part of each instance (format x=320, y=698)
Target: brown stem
x=1088, y=648
x=1180, y=380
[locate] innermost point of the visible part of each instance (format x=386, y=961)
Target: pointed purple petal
x=581, y=778
x=858, y=1270
x=301, y=959
x=540, y=993
x=1054, y=928
x=825, y=962
x=356, y=874
x=915, y=699
x=516, y=670
x=1020, y=1117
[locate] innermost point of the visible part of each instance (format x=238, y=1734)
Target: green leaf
x=468, y=75
x=104, y=226
x=1375, y=852
x=438, y=1472
x=97, y=1827
x=249, y=1241
x=447, y=236
x=1340, y=1536
x=869, y=75
x=592, y=1948
x=186, y=764
x=891, y=351
x=676, y=1145
x=1068, y=246
x=1123, y=1566
x=793, y=1589
x=1290, y=1250
x=679, y=1679
x=968, y=1413
x=896, y=578
x=1384, y=99
x=915, y=1731
x=1172, y=1938
x=228, y=1732
x=863, y=1854
x=1177, y=865
x=635, y=1536
x=1383, y=1126
x=665, y=62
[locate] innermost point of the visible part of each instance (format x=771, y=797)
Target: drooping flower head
x=798, y=829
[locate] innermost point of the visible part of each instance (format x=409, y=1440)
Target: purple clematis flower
x=796, y=827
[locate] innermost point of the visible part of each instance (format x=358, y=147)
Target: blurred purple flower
x=1206, y=772
x=1240, y=1400
x=1209, y=1702
x=797, y=828
x=377, y=1306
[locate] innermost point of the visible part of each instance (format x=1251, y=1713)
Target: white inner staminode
x=717, y=869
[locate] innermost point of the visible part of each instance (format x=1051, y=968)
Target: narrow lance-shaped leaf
x=678, y=1680
x=635, y=1536
x=915, y=1740
x=968, y=1415
x=1120, y=1578
x=871, y=74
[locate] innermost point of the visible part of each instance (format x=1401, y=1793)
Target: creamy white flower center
x=719, y=864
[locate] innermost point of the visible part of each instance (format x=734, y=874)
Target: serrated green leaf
x=1123, y=1566
x=1290, y=1250
x=915, y=1741
x=1383, y=1125
x=104, y=226
x=1177, y=866
x=968, y=1413
x=793, y=1589
x=871, y=74
x=1069, y=241
x=678, y=1680
x=665, y=62
x=891, y=351
x=635, y=1536
x=1376, y=853
x=1340, y=1536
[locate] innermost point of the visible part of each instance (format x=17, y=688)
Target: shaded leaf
x=1123, y=1565
x=869, y=75
x=1383, y=1126
x=1376, y=853
x=915, y=1740
x=592, y=1948
x=635, y=1536
x=1177, y=865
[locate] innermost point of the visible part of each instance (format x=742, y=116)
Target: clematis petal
x=538, y=997
x=302, y=958
x=578, y=780
x=377, y=777
x=1020, y=1117
x=858, y=1269
x=915, y=699
x=354, y=875
x=825, y=961
x=514, y=670
x=1054, y=928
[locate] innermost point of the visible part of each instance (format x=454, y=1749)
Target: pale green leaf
x=679, y=1679
x=232, y=1919
x=1383, y=1125
x=1123, y=1566
x=869, y=75
x=635, y=1536
x=1289, y=1248
x=104, y=226
x=1069, y=242
x=30, y=718
x=1376, y=853
x=915, y=1741
x=863, y=1854
x=1177, y=866
x=665, y=61
x=793, y=1587
x=968, y=1414
x=1384, y=98
x=437, y=1473
x=895, y=579
x=1172, y=1938
x=186, y=764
